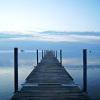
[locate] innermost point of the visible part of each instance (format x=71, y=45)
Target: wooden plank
x=50, y=81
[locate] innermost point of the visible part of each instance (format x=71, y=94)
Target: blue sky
x=41, y=15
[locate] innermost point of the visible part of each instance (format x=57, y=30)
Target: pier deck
x=49, y=81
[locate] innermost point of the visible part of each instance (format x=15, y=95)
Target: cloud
x=38, y=36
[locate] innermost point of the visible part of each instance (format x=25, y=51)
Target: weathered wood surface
x=49, y=81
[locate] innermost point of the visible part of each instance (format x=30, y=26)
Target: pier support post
x=53, y=52
x=15, y=70
x=61, y=57
x=56, y=53
x=42, y=54
x=84, y=70
x=37, y=56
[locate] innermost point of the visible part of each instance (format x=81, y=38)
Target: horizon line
x=48, y=31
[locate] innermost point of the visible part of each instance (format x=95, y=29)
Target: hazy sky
x=40, y=15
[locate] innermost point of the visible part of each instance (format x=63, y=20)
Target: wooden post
x=15, y=70
x=37, y=56
x=42, y=54
x=84, y=70
x=56, y=53
x=53, y=52
x=61, y=57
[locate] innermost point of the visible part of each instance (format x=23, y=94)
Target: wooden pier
x=50, y=81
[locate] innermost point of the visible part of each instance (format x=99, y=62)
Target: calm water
x=72, y=60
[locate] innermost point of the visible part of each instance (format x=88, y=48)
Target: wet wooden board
x=49, y=81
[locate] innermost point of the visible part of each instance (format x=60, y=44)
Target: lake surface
x=72, y=60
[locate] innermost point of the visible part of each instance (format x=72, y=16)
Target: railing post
x=15, y=70
x=37, y=56
x=84, y=70
x=53, y=52
x=42, y=54
x=56, y=53
x=61, y=57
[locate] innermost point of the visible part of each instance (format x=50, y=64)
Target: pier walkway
x=49, y=81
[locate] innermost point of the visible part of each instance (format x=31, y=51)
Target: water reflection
x=27, y=61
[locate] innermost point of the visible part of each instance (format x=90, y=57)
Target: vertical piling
x=56, y=53
x=42, y=54
x=61, y=57
x=53, y=53
x=37, y=56
x=15, y=70
x=84, y=70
